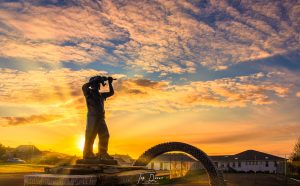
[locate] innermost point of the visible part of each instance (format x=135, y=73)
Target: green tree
x=2, y=151
x=296, y=152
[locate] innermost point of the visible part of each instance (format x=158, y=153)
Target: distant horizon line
x=115, y=153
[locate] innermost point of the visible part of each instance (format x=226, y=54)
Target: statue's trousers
x=96, y=125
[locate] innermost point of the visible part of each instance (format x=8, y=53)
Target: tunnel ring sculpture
x=215, y=176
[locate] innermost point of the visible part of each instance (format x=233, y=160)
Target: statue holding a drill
x=96, y=124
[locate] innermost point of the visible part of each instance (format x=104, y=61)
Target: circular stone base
x=97, y=161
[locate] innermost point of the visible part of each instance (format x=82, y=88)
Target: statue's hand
x=95, y=79
x=110, y=79
x=99, y=78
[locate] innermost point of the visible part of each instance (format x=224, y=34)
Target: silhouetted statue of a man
x=96, y=117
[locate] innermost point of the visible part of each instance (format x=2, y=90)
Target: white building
x=250, y=161
x=176, y=164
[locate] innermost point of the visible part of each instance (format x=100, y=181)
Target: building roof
x=248, y=155
x=174, y=157
x=222, y=158
x=27, y=148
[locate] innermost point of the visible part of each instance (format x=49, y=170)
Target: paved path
x=12, y=179
x=258, y=180
x=245, y=180
x=232, y=180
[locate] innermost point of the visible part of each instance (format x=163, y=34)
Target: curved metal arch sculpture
x=215, y=176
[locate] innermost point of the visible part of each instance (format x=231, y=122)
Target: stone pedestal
x=133, y=177
x=55, y=179
x=97, y=161
x=91, y=173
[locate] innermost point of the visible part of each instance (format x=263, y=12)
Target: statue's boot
x=89, y=156
x=105, y=156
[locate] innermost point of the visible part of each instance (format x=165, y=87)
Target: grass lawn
x=233, y=179
x=13, y=174
x=20, y=168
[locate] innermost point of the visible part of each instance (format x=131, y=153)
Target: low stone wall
x=58, y=180
x=129, y=177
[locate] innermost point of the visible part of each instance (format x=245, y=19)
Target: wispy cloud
x=60, y=86
x=33, y=119
x=257, y=89
x=157, y=36
x=246, y=134
x=42, y=86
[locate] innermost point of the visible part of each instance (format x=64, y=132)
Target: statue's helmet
x=94, y=85
x=92, y=78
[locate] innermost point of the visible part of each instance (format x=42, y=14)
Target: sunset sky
x=223, y=76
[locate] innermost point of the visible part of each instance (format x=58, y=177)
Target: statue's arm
x=85, y=88
x=111, y=90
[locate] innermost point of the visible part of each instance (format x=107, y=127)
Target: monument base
x=97, y=161
x=134, y=177
x=92, y=172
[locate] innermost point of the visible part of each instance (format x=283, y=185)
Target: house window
x=275, y=163
x=161, y=166
x=267, y=164
x=216, y=164
x=239, y=164
x=184, y=165
x=233, y=164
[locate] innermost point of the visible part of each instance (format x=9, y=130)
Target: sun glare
x=80, y=143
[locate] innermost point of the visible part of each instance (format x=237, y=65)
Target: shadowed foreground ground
x=12, y=179
x=239, y=180
x=258, y=179
x=232, y=180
